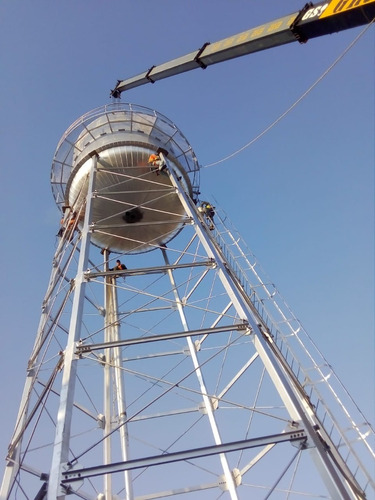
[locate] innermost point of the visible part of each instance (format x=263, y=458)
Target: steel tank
x=133, y=208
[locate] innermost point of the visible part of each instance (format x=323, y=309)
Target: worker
x=72, y=220
x=119, y=266
x=62, y=229
x=70, y=224
x=208, y=211
x=156, y=161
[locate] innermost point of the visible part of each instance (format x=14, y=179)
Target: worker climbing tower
x=184, y=374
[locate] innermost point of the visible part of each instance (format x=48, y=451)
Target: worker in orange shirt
x=156, y=161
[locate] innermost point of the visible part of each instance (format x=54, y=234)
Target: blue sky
x=302, y=196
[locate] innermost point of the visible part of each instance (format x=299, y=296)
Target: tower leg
x=63, y=428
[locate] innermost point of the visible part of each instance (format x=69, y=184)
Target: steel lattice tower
x=185, y=374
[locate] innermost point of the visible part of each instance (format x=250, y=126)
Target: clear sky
x=302, y=196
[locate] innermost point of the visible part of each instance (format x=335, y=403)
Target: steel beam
x=71, y=476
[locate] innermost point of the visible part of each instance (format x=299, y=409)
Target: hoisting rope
x=267, y=129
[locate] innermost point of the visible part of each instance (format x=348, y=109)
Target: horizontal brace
x=81, y=349
x=136, y=191
x=150, y=270
x=80, y=474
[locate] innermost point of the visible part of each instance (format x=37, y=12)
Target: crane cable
x=294, y=104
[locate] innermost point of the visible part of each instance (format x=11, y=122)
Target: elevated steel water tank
x=133, y=209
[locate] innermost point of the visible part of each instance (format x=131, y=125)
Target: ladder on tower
x=342, y=424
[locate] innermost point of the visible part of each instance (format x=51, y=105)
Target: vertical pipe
x=107, y=443
x=113, y=377
x=119, y=390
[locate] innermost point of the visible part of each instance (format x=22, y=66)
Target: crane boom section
x=312, y=21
